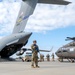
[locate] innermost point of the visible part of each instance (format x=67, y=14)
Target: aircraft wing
x=59, y=2
x=42, y=50
x=21, y=52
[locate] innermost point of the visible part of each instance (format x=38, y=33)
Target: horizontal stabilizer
x=59, y=2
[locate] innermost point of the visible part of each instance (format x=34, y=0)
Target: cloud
x=8, y=14
x=49, y=17
x=45, y=17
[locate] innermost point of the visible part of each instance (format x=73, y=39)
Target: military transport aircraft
x=14, y=42
x=67, y=51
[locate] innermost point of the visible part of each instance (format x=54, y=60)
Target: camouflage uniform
x=35, y=51
x=41, y=57
x=48, y=57
x=52, y=56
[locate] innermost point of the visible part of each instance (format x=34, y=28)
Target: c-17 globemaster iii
x=14, y=42
x=67, y=51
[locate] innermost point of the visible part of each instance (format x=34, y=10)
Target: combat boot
x=37, y=67
x=32, y=66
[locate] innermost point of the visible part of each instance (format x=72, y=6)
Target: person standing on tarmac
x=48, y=57
x=41, y=57
x=35, y=50
x=53, y=57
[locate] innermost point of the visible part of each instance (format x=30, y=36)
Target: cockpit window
x=59, y=51
x=64, y=50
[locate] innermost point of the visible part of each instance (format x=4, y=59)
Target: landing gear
x=72, y=60
x=60, y=59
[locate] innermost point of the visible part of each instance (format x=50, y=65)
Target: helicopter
x=67, y=51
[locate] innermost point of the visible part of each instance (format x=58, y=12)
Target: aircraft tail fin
x=27, y=8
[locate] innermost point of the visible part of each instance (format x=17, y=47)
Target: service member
x=41, y=57
x=35, y=50
x=48, y=57
x=53, y=57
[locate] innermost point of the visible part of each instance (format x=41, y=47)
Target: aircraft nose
x=56, y=52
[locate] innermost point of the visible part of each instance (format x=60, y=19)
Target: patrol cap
x=34, y=41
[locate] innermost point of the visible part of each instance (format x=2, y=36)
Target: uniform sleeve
x=32, y=47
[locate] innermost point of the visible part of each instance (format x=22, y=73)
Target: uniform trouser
x=48, y=59
x=35, y=61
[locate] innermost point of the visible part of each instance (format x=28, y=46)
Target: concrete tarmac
x=46, y=68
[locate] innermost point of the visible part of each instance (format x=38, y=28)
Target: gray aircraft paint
x=27, y=8
x=67, y=51
x=11, y=39
x=60, y=2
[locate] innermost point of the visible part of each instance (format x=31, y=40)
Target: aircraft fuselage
x=13, y=43
x=66, y=53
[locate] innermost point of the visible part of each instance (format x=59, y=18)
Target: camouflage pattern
x=41, y=57
x=34, y=55
x=52, y=56
x=48, y=57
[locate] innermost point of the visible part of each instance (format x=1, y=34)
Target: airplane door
x=72, y=52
